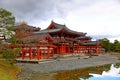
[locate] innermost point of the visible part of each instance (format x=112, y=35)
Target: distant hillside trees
x=116, y=46
x=110, y=46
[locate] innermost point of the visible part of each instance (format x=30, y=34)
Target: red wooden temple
x=56, y=39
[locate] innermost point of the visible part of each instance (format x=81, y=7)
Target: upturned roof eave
x=59, y=26
x=92, y=43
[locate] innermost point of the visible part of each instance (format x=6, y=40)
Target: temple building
x=56, y=39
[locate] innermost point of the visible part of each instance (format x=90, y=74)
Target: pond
x=83, y=73
x=112, y=74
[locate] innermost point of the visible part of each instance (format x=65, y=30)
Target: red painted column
x=97, y=50
x=58, y=49
x=61, y=48
x=41, y=52
x=22, y=52
x=30, y=53
x=53, y=52
x=68, y=49
x=48, y=53
x=38, y=53
x=77, y=49
x=84, y=50
x=72, y=50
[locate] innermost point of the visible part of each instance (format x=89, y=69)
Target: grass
x=8, y=71
x=1, y=55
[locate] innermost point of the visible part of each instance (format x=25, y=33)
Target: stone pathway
x=69, y=63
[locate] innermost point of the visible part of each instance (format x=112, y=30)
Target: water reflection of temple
x=56, y=39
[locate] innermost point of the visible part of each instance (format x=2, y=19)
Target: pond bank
x=66, y=64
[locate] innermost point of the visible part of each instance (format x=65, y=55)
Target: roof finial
x=64, y=23
x=52, y=20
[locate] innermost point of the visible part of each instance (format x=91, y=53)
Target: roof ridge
x=58, y=23
x=60, y=26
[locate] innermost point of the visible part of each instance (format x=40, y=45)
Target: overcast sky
x=99, y=18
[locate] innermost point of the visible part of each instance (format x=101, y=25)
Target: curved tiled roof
x=59, y=26
x=83, y=37
x=92, y=43
x=26, y=28
x=48, y=31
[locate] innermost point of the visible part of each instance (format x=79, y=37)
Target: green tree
x=7, y=21
x=6, y=18
x=116, y=45
x=109, y=46
x=10, y=54
x=106, y=44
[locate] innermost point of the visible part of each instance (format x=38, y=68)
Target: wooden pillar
x=41, y=51
x=73, y=50
x=61, y=48
x=94, y=50
x=38, y=53
x=64, y=48
x=84, y=49
x=23, y=55
x=77, y=49
x=48, y=52
x=81, y=49
x=97, y=50
x=89, y=50
x=30, y=54
x=68, y=49
x=53, y=52
x=58, y=49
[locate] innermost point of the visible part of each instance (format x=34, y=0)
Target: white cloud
x=100, y=19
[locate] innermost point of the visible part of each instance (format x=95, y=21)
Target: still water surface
x=84, y=73
x=112, y=74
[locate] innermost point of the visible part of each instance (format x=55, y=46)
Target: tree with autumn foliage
x=23, y=31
